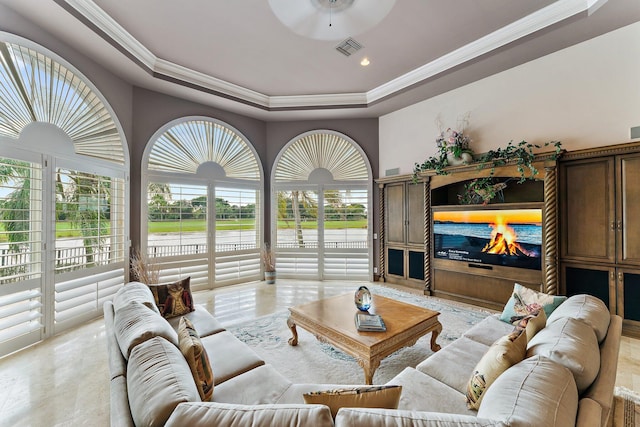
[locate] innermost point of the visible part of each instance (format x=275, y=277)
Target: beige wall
x=587, y=95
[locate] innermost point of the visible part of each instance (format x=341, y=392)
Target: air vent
x=348, y=47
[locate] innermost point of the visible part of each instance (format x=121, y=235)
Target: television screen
x=506, y=237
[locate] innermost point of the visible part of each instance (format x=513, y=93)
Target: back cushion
x=587, y=308
x=536, y=392
x=135, y=323
x=158, y=379
x=135, y=291
x=573, y=344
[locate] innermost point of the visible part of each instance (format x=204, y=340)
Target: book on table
x=366, y=322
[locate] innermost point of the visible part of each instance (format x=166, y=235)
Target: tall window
x=63, y=223
x=203, y=195
x=321, y=206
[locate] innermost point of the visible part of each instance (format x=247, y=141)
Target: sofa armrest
x=589, y=413
x=396, y=418
x=196, y=414
x=602, y=388
x=119, y=404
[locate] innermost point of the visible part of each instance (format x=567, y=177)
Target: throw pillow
x=525, y=301
x=386, y=397
x=532, y=324
x=173, y=299
x=504, y=353
x=197, y=358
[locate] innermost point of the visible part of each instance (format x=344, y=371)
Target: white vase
x=463, y=159
x=270, y=277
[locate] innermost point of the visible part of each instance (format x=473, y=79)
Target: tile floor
x=64, y=381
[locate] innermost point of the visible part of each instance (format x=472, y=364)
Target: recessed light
x=365, y=62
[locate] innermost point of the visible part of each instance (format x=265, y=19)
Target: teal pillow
x=525, y=301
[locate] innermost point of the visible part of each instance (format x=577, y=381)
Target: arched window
x=321, y=208
x=202, y=184
x=63, y=220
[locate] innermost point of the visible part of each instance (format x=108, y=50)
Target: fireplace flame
x=504, y=241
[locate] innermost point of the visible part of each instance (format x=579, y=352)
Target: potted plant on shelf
x=454, y=145
x=269, y=263
x=453, y=150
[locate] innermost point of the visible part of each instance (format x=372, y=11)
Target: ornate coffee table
x=331, y=320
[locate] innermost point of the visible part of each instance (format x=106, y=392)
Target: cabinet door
x=628, y=202
x=629, y=295
x=394, y=215
x=599, y=281
x=415, y=214
x=588, y=204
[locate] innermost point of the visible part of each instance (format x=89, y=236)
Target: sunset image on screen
x=505, y=237
x=519, y=216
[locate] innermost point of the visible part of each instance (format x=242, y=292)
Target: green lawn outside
x=65, y=229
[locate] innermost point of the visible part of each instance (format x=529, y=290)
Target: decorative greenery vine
x=522, y=154
x=485, y=189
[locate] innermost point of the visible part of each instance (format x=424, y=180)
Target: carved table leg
x=293, y=341
x=369, y=367
x=434, y=335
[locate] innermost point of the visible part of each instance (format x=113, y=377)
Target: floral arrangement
x=454, y=142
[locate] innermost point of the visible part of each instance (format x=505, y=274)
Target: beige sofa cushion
x=372, y=417
x=421, y=392
x=453, y=364
x=229, y=357
x=196, y=356
x=587, y=308
x=135, y=323
x=261, y=385
x=202, y=320
x=208, y=414
x=535, y=392
x=503, y=354
x=573, y=344
x=488, y=330
x=356, y=397
x=158, y=379
x=134, y=291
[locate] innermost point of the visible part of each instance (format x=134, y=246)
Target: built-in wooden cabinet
x=600, y=228
x=406, y=235
x=402, y=237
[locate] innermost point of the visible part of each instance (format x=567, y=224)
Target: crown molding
x=115, y=31
x=178, y=72
x=318, y=101
x=536, y=21
x=160, y=68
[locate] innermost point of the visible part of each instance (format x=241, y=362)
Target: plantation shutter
x=237, y=234
x=51, y=278
x=346, y=240
x=20, y=254
x=205, y=169
x=326, y=236
x=89, y=260
x=178, y=245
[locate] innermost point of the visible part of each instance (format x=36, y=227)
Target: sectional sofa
x=567, y=379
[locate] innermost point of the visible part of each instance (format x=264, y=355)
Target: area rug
x=626, y=408
x=312, y=361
